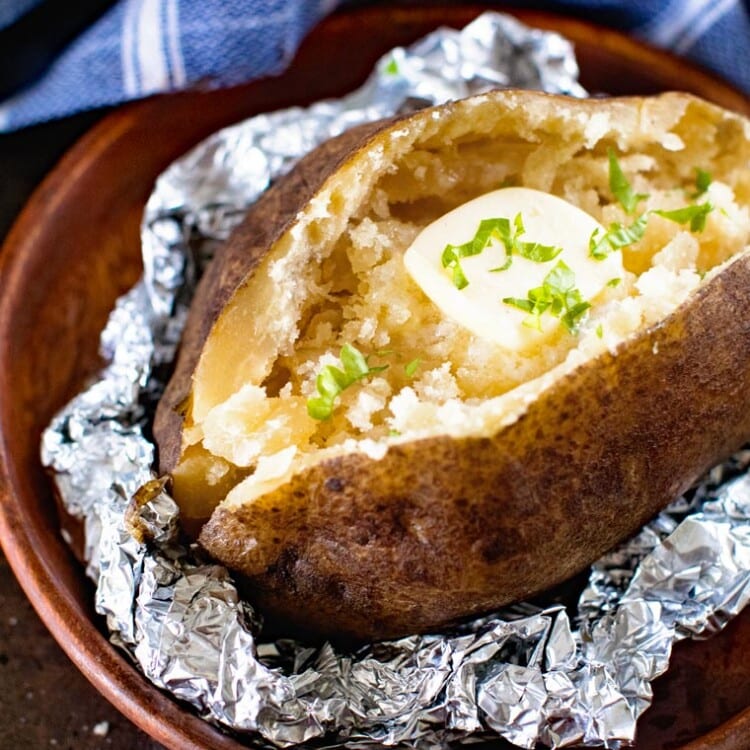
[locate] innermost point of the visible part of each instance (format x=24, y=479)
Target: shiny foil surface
x=528, y=674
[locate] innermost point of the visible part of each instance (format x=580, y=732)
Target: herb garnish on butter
x=489, y=229
x=331, y=381
x=557, y=295
x=502, y=230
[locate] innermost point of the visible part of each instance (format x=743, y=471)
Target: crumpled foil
x=527, y=673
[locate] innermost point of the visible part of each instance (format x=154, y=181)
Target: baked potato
x=372, y=466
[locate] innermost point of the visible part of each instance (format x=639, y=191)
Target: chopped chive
x=411, y=367
x=557, y=295
x=695, y=215
x=702, y=182
x=500, y=229
x=616, y=237
x=331, y=381
x=620, y=185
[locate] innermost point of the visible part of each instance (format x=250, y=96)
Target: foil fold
x=527, y=674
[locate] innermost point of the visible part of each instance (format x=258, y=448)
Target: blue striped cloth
x=141, y=47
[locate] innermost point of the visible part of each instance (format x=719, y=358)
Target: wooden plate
x=75, y=248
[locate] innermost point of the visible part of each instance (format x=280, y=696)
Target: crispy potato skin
x=271, y=216
x=442, y=528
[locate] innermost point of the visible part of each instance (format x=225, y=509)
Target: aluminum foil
x=528, y=673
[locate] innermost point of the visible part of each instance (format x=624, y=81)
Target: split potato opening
x=338, y=278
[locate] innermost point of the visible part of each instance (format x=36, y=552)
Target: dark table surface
x=44, y=700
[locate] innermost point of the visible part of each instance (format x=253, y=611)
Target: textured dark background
x=45, y=702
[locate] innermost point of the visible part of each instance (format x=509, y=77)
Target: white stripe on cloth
x=702, y=25
x=176, y=61
x=673, y=21
x=129, y=81
x=151, y=56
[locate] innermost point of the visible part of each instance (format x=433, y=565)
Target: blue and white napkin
x=142, y=47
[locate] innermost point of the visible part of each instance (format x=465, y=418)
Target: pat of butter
x=479, y=306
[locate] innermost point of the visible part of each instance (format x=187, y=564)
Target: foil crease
x=526, y=674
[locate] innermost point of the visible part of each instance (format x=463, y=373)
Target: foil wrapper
x=527, y=674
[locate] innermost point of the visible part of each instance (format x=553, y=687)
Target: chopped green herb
x=573, y=315
x=391, y=67
x=619, y=236
x=599, y=331
x=533, y=251
x=620, y=186
x=502, y=230
x=489, y=229
x=557, y=295
x=505, y=266
x=702, y=182
x=458, y=277
x=527, y=305
x=616, y=237
x=331, y=381
x=355, y=364
x=696, y=215
x=320, y=408
x=393, y=433
x=614, y=282
x=537, y=252
x=411, y=367
x=560, y=279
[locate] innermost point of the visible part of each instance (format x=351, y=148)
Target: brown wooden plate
x=75, y=248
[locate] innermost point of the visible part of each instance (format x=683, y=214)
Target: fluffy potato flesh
x=458, y=475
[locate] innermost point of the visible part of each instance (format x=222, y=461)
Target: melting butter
x=479, y=306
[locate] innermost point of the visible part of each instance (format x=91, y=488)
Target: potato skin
x=442, y=528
